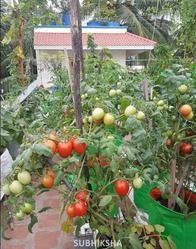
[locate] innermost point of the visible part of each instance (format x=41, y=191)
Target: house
x=53, y=44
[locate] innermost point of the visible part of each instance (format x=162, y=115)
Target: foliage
x=22, y=16
x=12, y=125
x=132, y=147
x=161, y=59
x=143, y=18
x=186, y=31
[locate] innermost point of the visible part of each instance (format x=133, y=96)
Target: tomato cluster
x=66, y=148
x=80, y=207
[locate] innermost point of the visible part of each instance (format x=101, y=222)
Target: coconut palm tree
x=145, y=18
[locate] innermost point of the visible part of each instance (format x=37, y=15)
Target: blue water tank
x=102, y=23
x=94, y=23
x=66, y=18
x=113, y=24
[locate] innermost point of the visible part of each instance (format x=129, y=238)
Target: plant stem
x=184, y=174
x=172, y=181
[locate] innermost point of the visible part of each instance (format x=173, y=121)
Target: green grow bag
x=181, y=228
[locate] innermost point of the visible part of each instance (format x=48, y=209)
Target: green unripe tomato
x=140, y=115
x=160, y=108
x=130, y=110
x=16, y=187
x=24, y=177
x=160, y=103
x=27, y=208
x=171, y=107
x=6, y=190
x=112, y=93
x=137, y=183
x=118, y=91
x=119, y=84
x=110, y=137
x=183, y=89
x=98, y=113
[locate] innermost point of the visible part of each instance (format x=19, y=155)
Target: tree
x=145, y=18
x=186, y=30
x=23, y=16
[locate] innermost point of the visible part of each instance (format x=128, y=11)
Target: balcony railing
x=137, y=64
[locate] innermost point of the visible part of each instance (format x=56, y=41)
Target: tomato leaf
x=42, y=150
x=44, y=209
x=164, y=244
x=33, y=221
x=147, y=246
x=104, y=230
x=159, y=228
x=134, y=241
x=131, y=172
x=149, y=228
x=105, y=200
x=171, y=243
x=79, y=223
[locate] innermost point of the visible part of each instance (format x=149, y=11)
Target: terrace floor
x=47, y=232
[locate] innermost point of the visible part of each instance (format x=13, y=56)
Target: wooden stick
x=76, y=50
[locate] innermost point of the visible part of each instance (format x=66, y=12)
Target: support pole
x=76, y=50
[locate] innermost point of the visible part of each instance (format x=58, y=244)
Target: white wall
x=119, y=56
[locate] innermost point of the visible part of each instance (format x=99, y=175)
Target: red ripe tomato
x=48, y=181
x=80, y=208
x=103, y=161
x=155, y=193
x=52, y=145
x=186, y=148
x=65, y=149
x=70, y=211
x=121, y=187
x=82, y=195
x=78, y=147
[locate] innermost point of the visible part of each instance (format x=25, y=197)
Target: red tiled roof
x=101, y=39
